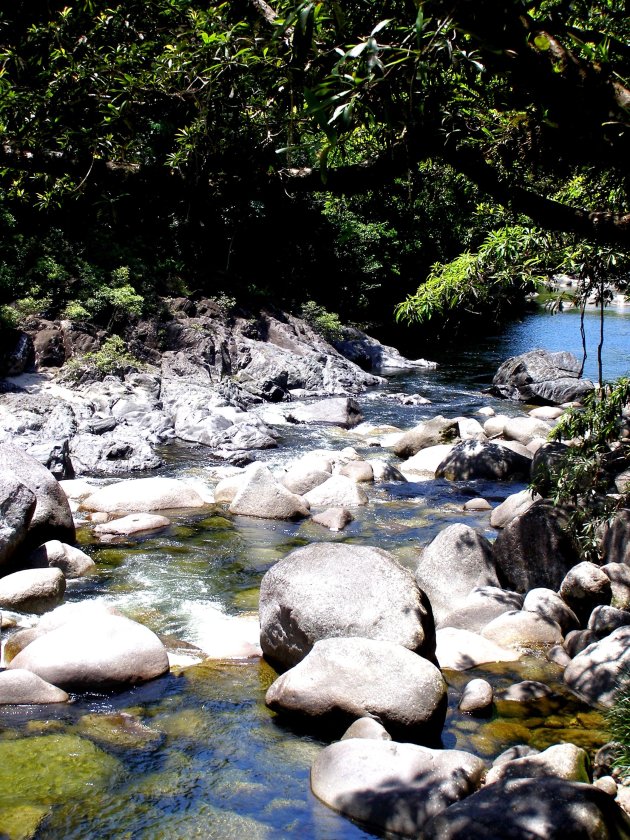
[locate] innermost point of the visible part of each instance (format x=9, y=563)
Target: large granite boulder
x=342, y=679
x=336, y=411
x=140, y=495
x=584, y=587
x=562, y=761
x=337, y=491
x=23, y=688
x=17, y=505
x=95, y=653
x=52, y=518
x=480, y=607
x=32, y=590
x=394, y=787
x=526, y=809
x=438, y=430
x=513, y=506
x=335, y=590
x=452, y=565
x=473, y=459
x=73, y=562
x=262, y=496
x=459, y=650
x=598, y=672
x=535, y=549
x=541, y=377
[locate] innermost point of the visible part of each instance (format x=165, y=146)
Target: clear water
x=197, y=754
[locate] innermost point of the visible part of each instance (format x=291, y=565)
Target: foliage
x=111, y=359
x=327, y=324
x=581, y=480
x=618, y=719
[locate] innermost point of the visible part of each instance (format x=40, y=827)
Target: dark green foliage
x=582, y=480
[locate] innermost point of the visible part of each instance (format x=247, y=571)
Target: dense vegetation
x=309, y=151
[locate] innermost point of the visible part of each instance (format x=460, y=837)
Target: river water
x=196, y=753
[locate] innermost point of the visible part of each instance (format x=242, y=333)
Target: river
x=196, y=753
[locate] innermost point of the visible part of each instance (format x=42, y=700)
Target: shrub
x=112, y=359
x=327, y=324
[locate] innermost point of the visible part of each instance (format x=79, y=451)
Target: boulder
x=550, y=605
x=526, y=691
x=604, y=619
x=73, y=562
x=478, y=503
x=345, y=678
x=366, y=727
x=494, y=425
x=32, y=590
x=523, y=629
x=337, y=411
x=134, y=523
x=473, y=459
x=17, y=505
x=526, y=429
x=619, y=576
x=476, y=697
x=513, y=506
x=546, y=412
x=597, y=673
x=262, y=496
x=480, y=607
x=139, y=495
x=458, y=650
x=578, y=640
x=615, y=538
x=393, y=787
x=335, y=518
x=541, y=377
x=21, y=687
x=526, y=809
x=357, y=471
x=384, y=471
x=424, y=463
x=95, y=654
x=547, y=457
x=335, y=590
x=437, y=430
x=470, y=429
x=337, y=491
x=454, y=563
x=301, y=478
x=561, y=761
x=52, y=518
x=228, y=487
x=535, y=549
x=584, y=587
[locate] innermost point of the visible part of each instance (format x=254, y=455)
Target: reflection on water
x=196, y=753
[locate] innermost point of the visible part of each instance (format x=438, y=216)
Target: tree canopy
x=192, y=118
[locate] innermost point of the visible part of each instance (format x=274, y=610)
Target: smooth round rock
x=477, y=504
x=548, y=604
x=424, y=463
x=526, y=691
x=604, y=619
x=140, y=495
x=32, y=590
x=458, y=650
x=393, y=787
x=358, y=471
x=528, y=809
x=109, y=652
x=366, y=727
x=476, y=697
x=260, y=495
x=335, y=518
x=578, y=640
x=523, y=629
x=595, y=674
x=513, y=506
x=584, y=587
x=561, y=761
x=134, y=523
x=21, y=687
x=474, y=459
x=325, y=590
x=337, y=491
x=73, y=562
x=345, y=678
x=480, y=607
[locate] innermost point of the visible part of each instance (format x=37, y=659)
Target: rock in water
x=32, y=590
x=139, y=495
x=262, y=496
x=345, y=678
x=17, y=504
x=107, y=652
x=395, y=787
x=328, y=589
x=541, y=377
x=474, y=459
x=52, y=519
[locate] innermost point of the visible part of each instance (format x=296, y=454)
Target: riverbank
x=213, y=751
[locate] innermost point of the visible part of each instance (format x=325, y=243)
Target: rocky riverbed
x=438, y=654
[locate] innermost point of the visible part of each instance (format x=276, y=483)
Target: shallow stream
x=196, y=753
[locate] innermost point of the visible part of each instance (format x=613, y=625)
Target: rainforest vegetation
x=419, y=161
